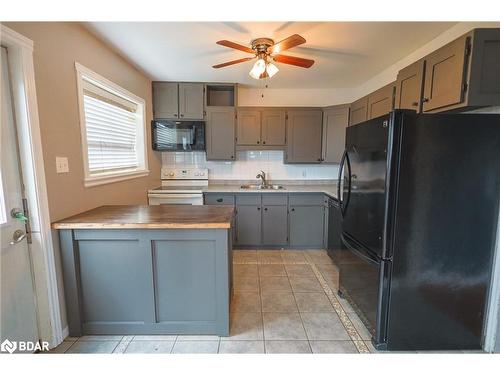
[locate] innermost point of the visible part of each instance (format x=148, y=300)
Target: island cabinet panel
x=409, y=86
x=147, y=281
x=304, y=132
x=220, y=133
x=112, y=291
x=273, y=127
x=181, y=295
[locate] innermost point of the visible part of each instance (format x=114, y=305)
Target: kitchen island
x=148, y=269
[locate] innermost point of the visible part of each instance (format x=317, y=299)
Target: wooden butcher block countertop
x=150, y=217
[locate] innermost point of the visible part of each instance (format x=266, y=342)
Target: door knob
x=18, y=236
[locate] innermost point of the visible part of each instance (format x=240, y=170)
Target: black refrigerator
x=419, y=197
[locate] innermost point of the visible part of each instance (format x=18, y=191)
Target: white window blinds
x=111, y=125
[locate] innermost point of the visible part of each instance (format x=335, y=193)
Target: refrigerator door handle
x=343, y=206
x=339, y=180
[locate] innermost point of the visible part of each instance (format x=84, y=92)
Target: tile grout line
x=344, y=318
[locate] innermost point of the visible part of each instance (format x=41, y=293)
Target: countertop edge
x=140, y=226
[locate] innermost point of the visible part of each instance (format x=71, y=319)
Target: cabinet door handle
x=425, y=100
x=220, y=200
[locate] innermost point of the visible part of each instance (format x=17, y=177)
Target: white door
x=18, y=318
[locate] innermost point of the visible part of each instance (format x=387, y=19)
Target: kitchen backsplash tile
x=248, y=164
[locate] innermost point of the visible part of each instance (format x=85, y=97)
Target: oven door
x=156, y=199
x=178, y=135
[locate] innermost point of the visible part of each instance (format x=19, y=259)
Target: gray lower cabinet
x=146, y=281
x=277, y=220
x=220, y=133
x=248, y=225
x=274, y=225
x=306, y=226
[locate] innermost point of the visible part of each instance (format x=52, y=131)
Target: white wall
x=294, y=97
x=248, y=164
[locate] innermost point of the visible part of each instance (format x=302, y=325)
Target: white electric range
x=181, y=186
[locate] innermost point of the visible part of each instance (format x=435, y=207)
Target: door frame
x=20, y=59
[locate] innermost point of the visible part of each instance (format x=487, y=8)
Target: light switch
x=62, y=165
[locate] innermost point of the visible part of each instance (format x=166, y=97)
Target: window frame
x=85, y=74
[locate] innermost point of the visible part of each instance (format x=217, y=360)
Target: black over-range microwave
x=168, y=135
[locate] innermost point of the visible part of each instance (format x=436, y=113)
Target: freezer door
x=364, y=171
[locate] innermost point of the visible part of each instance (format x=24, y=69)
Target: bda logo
x=8, y=346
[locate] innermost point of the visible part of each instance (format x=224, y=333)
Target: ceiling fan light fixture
x=258, y=68
x=271, y=69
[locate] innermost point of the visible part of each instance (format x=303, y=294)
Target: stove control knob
x=171, y=174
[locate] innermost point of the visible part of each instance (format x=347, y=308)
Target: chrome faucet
x=262, y=176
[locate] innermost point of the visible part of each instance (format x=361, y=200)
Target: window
x=113, y=130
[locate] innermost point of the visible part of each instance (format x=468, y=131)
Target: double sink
x=262, y=187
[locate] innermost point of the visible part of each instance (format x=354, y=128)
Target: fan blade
x=232, y=62
x=292, y=60
x=227, y=43
x=290, y=42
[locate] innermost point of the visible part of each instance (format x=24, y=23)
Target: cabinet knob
x=258, y=208
x=258, y=142
x=264, y=142
x=319, y=159
x=425, y=100
x=265, y=209
x=182, y=115
x=232, y=156
x=175, y=115
x=415, y=104
x=219, y=200
x=293, y=209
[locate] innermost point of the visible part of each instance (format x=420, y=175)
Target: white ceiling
x=346, y=53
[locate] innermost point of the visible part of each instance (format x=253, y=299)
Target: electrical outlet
x=62, y=165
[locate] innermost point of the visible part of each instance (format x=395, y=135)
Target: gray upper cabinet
x=273, y=131
x=165, y=100
x=219, y=134
x=248, y=127
x=359, y=111
x=335, y=121
x=173, y=100
x=464, y=73
x=191, y=101
x=409, y=86
x=444, y=76
x=261, y=127
x=304, y=131
x=381, y=102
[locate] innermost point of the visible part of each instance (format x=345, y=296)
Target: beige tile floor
x=284, y=301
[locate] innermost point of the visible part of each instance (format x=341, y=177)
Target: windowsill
x=109, y=179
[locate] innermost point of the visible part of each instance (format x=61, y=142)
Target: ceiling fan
x=266, y=51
